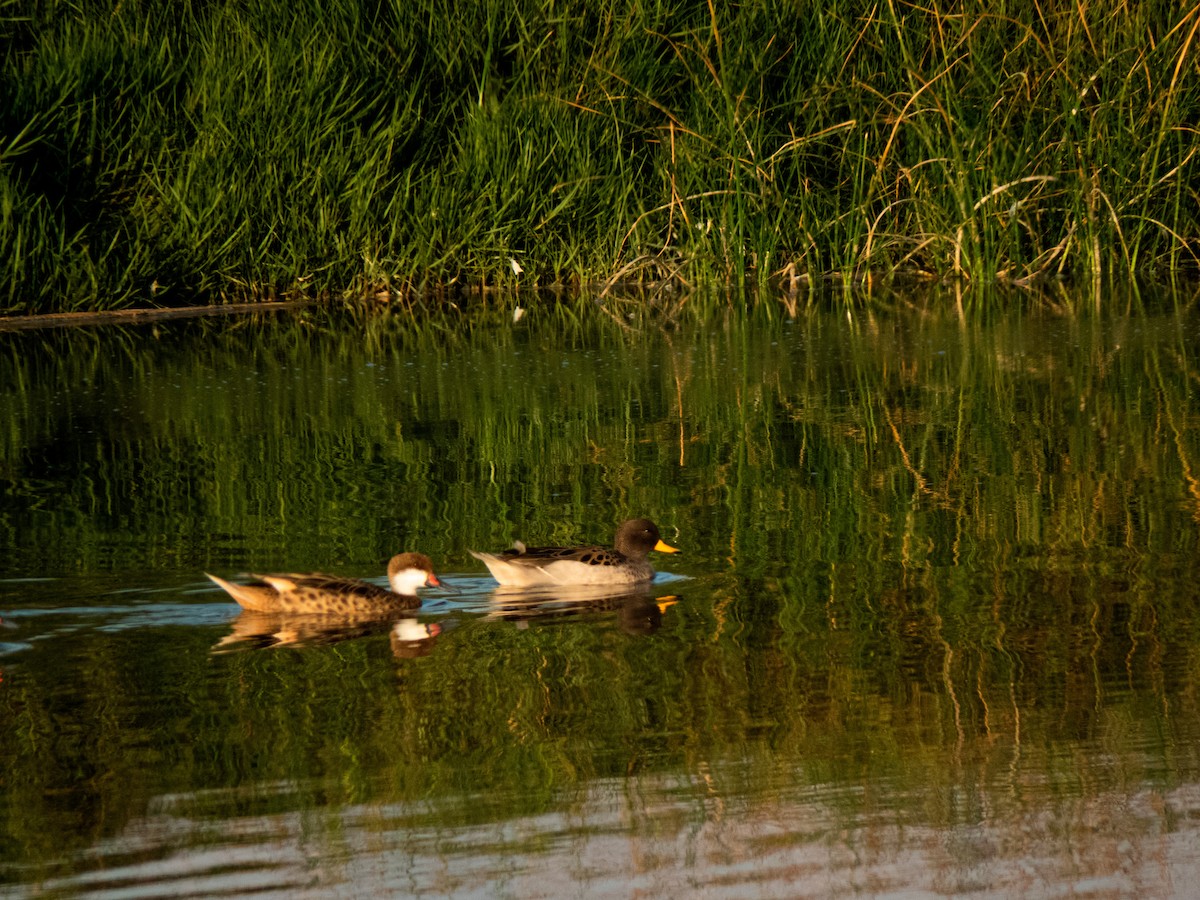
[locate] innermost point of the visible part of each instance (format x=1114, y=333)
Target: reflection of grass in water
x=398, y=147
x=925, y=546
x=812, y=440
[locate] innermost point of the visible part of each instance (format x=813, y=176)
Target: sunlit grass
x=189, y=152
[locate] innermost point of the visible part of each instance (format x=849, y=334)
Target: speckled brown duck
x=331, y=595
x=622, y=564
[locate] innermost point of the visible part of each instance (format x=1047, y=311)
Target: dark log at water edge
x=127, y=316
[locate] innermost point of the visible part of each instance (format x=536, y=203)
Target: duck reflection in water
x=638, y=612
x=253, y=630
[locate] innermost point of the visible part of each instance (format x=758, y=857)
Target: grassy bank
x=163, y=153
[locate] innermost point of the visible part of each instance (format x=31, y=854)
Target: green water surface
x=934, y=629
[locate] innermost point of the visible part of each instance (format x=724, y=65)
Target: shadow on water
x=934, y=631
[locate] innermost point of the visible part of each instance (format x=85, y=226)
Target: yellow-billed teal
x=624, y=563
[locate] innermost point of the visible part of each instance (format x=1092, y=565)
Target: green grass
x=168, y=153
